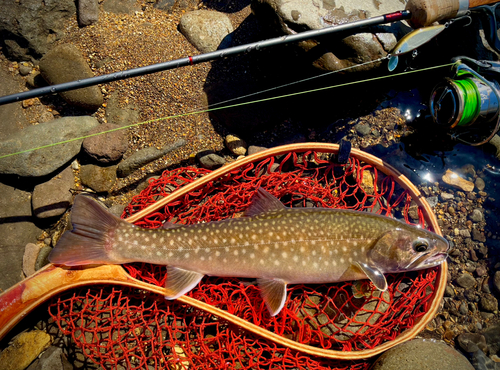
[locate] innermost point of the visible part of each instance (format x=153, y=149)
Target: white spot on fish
x=186, y=255
x=202, y=258
x=277, y=263
x=252, y=255
x=217, y=253
x=224, y=260
x=302, y=249
x=315, y=265
x=146, y=240
x=295, y=258
x=261, y=262
x=171, y=254
x=158, y=253
x=171, y=242
x=226, y=249
x=344, y=249
x=342, y=260
x=235, y=252
x=284, y=255
x=207, y=250
x=154, y=235
x=120, y=239
x=162, y=239
x=143, y=247
x=355, y=253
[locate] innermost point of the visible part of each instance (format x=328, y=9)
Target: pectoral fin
x=180, y=281
x=273, y=291
x=374, y=274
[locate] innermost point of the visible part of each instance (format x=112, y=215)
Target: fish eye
x=420, y=245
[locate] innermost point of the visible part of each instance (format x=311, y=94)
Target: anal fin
x=273, y=291
x=374, y=274
x=180, y=281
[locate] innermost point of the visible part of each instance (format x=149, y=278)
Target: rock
x=52, y=359
x=489, y=303
x=106, y=148
x=210, y=160
x=464, y=233
x=492, y=335
x=121, y=6
x=480, y=185
x=446, y=196
x=146, y=182
x=205, y=29
x=25, y=69
x=99, y=179
x=144, y=156
x=236, y=145
x=117, y=210
x=12, y=118
x=54, y=197
x=65, y=63
x=252, y=149
x=25, y=348
x=43, y=257
x=496, y=281
x=368, y=183
x=449, y=291
x=118, y=115
x=478, y=236
x=176, y=5
x=476, y=215
x=41, y=162
x=88, y=12
x=362, y=129
x=292, y=16
x=472, y=342
x=466, y=281
x=482, y=362
x=29, y=259
x=463, y=309
x=418, y=354
x=453, y=179
x=30, y=27
x=17, y=230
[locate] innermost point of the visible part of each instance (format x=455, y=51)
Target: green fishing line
x=471, y=98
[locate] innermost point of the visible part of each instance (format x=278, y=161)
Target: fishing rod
x=419, y=13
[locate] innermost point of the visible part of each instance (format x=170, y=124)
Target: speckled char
x=275, y=244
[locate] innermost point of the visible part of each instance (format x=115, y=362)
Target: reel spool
x=468, y=100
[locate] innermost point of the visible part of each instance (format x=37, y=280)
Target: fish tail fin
x=90, y=241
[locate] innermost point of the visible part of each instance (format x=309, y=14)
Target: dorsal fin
x=263, y=201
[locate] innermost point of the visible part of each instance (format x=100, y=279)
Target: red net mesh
x=125, y=328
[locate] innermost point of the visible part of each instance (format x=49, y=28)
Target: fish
x=271, y=243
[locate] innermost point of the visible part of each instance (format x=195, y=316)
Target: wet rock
x=88, y=12
x=17, y=230
x=446, y=196
x=205, y=29
x=464, y=233
x=54, y=197
x=144, y=156
x=482, y=362
x=362, y=129
x=44, y=161
x=252, y=149
x=449, y=291
x=463, y=309
x=99, y=179
x=210, y=160
x=476, y=215
x=496, y=281
x=492, y=335
x=472, y=342
x=30, y=27
x=479, y=183
x=121, y=6
x=466, y=281
x=420, y=354
x=236, y=145
x=108, y=147
x=481, y=271
x=489, y=303
x=29, y=259
x=43, y=257
x=478, y=236
x=453, y=179
x=65, y=63
x=25, y=348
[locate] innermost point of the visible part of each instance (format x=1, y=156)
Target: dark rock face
x=28, y=28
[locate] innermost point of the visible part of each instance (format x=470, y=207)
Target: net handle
x=19, y=300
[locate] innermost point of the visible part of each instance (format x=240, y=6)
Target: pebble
x=481, y=271
x=25, y=348
x=210, y=160
x=106, y=148
x=236, y=145
x=476, y=215
x=433, y=201
x=88, y=12
x=492, y=335
x=54, y=197
x=453, y=179
x=463, y=309
x=418, y=354
x=480, y=185
x=446, y=196
x=29, y=259
x=489, y=303
x=99, y=179
x=252, y=149
x=449, y=291
x=52, y=359
x=466, y=281
x=472, y=342
x=464, y=233
x=362, y=129
x=24, y=69
x=478, y=236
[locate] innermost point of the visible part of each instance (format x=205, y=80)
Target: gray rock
x=12, y=118
x=17, y=230
x=449, y=291
x=252, y=149
x=119, y=116
x=478, y=236
x=433, y=201
x=117, y=209
x=482, y=362
x=144, y=156
x=210, y=161
x=476, y=215
x=88, y=12
x=25, y=69
x=466, y=281
x=29, y=259
x=472, y=342
x=362, y=129
x=446, y=196
x=30, y=27
x=41, y=162
x=52, y=359
x=292, y=16
x=106, y=148
x=100, y=179
x=492, y=335
x=65, y=63
x=176, y=5
x=421, y=354
x=489, y=303
x=463, y=309
x=53, y=198
x=496, y=281
x=205, y=29
x=480, y=185
x=121, y=6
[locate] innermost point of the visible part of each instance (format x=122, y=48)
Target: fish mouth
x=427, y=261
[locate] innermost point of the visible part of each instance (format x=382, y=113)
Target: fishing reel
x=468, y=103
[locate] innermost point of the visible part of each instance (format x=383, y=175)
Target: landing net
x=120, y=327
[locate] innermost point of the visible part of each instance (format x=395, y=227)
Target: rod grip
x=426, y=12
